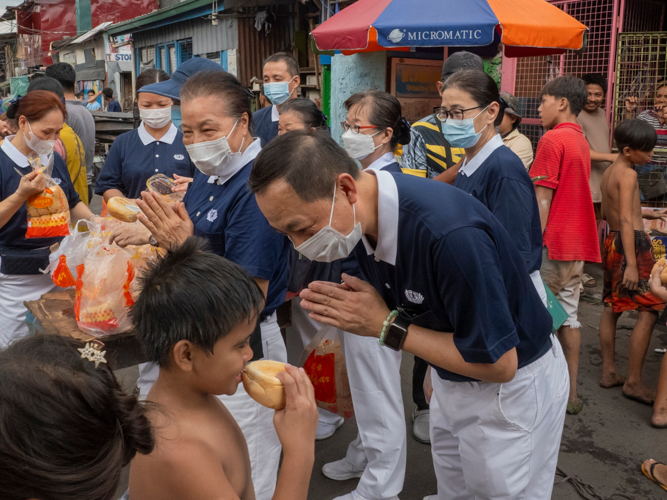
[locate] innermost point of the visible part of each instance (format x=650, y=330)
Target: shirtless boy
x=194, y=318
x=627, y=260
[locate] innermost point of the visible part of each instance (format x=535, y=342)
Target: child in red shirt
x=566, y=209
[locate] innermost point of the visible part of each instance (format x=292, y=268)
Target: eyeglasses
x=355, y=128
x=455, y=114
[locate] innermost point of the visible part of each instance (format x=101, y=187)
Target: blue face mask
x=461, y=133
x=176, y=117
x=277, y=92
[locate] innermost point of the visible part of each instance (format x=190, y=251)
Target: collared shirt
x=12, y=234
x=521, y=146
x=114, y=106
x=265, y=123
x=496, y=177
x=564, y=156
x=428, y=149
x=452, y=267
x=385, y=162
x=135, y=156
x=93, y=106
x=248, y=155
x=651, y=117
x=470, y=167
x=227, y=215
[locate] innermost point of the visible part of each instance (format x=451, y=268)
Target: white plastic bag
x=70, y=254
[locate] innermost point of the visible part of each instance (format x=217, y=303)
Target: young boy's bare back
x=194, y=439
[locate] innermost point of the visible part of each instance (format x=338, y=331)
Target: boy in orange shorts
x=627, y=260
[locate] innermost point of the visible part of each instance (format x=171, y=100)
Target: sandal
x=588, y=281
x=649, y=474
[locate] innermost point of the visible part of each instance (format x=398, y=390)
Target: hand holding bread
x=123, y=209
x=662, y=263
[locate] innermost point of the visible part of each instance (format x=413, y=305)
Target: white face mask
x=42, y=147
x=214, y=157
x=156, y=117
x=359, y=146
x=328, y=244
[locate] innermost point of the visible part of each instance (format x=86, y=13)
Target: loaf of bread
x=260, y=382
x=123, y=209
x=50, y=201
x=663, y=276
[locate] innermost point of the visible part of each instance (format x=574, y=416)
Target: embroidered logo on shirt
x=179, y=157
x=56, y=180
x=414, y=297
x=212, y=215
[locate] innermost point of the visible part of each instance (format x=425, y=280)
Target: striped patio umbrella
x=525, y=27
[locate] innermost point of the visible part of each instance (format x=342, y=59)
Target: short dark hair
x=384, y=112
x=152, y=75
x=569, y=87
x=237, y=98
x=596, y=79
x=64, y=73
x=308, y=111
x=289, y=60
x=91, y=91
x=48, y=84
x=66, y=426
x=312, y=166
x=191, y=294
x=635, y=134
x=482, y=88
x=108, y=92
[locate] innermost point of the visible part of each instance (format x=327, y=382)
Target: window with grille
x=185, y=47
x=213, y=56
x=147, y=58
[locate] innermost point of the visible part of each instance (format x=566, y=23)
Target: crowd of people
x=457, y=269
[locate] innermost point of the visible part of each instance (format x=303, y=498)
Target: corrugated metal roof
x=90, y=34
x=205, y=37
x=158, y=15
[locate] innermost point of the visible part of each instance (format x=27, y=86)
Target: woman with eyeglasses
x=373, y=129
x=471, y=110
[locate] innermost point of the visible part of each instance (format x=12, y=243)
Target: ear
x=438, y=85
x=493, y=110
x=243, y=121
x=563, y=104
x=183, y=355
x=387, y=135
x=348, y=186
x=627, y=151
x=297, y=81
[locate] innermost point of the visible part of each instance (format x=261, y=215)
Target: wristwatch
x=153, y=242
x=396, y=334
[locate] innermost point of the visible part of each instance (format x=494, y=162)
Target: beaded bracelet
x=386, y=324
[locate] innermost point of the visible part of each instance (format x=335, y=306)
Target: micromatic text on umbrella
x=397, y=35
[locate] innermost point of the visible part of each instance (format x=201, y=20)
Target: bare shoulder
x=184, y=468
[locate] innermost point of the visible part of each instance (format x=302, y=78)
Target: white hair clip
x=93, y=353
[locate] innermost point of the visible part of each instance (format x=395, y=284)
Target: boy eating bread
x=194, y=318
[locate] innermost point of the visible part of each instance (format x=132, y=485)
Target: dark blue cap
x=172, y=87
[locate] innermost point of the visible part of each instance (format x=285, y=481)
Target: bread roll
x=123, y=209
x=663, y=276
x=260, y=382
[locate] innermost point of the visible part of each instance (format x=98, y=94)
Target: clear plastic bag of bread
x=70, y=253
x=48, y=211
x=324, y=364
x=160, y=183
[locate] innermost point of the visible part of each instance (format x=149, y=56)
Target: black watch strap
x=396, y=333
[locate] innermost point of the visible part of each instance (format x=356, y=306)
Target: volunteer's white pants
x=380, y=446
x=539, y=286
x=500, y=441
x=14, y=290
x=255, y=420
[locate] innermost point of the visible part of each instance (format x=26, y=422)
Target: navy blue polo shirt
x=385, y=163
x=135, y=156
x=12, y=234
x=264, y=125
x=227, y=215
x=447, y=262
x=497, y=177
x=114, y=107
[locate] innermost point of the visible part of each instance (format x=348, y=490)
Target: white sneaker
x=341, y=470
x=420, y=426
x=430, y=497
x=325, y=430
x=356, y=496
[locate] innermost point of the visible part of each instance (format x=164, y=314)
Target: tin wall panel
x=255, y=46
x=205, y=37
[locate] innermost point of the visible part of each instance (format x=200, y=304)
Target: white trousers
x=375, y=384
x=500, y=441
x=14, y=290
x=255, y=420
